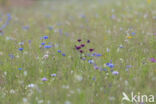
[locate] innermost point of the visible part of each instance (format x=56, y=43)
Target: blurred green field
x=123, y=32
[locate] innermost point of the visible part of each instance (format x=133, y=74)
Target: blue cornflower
x=43, y=43
x=133, y=33
x=110, y=65
x=47, y=46
x=59, y=51
x=45, y=37
x=91, y=61
x=11, y=56
x=19, y=68
x=20, y=49
x=63, y=54
x=93, y=54
x=98, y=55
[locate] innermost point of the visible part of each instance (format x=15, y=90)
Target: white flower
x=45, y=56
x=31, y=85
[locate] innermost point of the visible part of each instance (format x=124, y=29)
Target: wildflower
x=20, y=49
x=78, y=47
x=110, y=65
x=129, y=37
x=11, y=56
x=88, y=41
x=115, y=72
x=21, y=43
x=91, y=49
x=63, y=54
x=113, y=16
x=29, y=41
x=45, y=56
x=19, y=68
x=93, y=54
x=44, y=79
x=45, y=37
x=98, y=55
x=96, y=67
x=91, y=61
x=31, y=85
x=82, y=45
x=153, y=60
x=59, y=51
x=79, y=40
x=83, y=58
x=53, y=75
x=47, y=46
x=107, y=50
x=43, y=43
x=133, y=33
x=81, y=51
x=121, y=46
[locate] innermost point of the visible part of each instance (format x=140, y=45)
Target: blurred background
x=6, y=4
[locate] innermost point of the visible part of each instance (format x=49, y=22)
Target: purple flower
x=29, y=41
x=47, y=46
x=133, y=33
x=91, y=61
x=63, y=54
x=53, y=75
x=110, y=65
x=91, y=49
x=82, y=45
x=115, y=72
x=81, y=51
x=153, y=60
x=79, y=40
x=59, y=51
x=98, y=55
x=45, y=37
x=21, y=43
x=78, y=47
x=44, y=79
x=19, y=68
x=20, y=49
x=88, y=41
x=43, y=43
x=96, y=67
x=11, y=56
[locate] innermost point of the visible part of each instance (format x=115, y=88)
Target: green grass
x=74, y=77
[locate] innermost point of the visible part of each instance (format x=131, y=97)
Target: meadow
x=78, y=52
